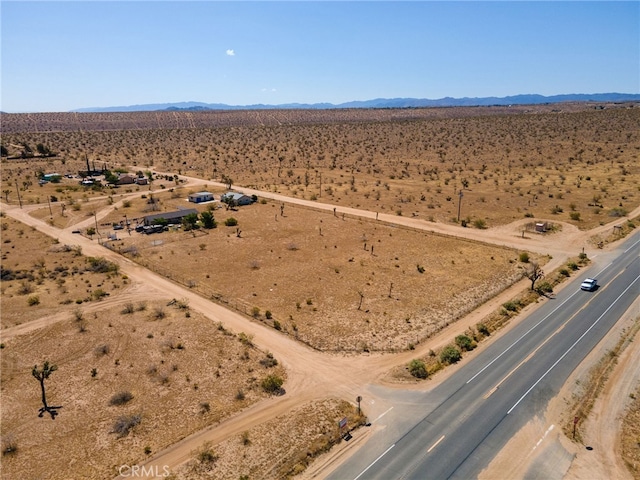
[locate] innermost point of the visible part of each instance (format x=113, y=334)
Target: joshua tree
x=533, y=272
x=227, y=181
x=41, y=375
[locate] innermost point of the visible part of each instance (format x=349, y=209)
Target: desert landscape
x=374, y=239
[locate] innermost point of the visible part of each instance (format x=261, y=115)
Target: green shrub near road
x=418, y=369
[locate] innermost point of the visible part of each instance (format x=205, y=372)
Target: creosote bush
x=483, y=329
x=418, y=369
x=125, y=424
x=511, y=305
x=544, y=287
x=205, y=407
x=269, y=361
x=272, y=384
x=465, y=343
x=206, y=456
x=121, y=398
x=159, y=313
x=450, y=355
x=9, y=445
x=128, y=309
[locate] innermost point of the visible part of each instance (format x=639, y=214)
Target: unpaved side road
x=310, y=374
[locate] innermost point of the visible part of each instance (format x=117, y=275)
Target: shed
x=200, y=197
x=541, y=227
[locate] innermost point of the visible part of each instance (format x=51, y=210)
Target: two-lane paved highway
x=486, y=401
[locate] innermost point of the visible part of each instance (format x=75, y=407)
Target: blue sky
x=59, y=56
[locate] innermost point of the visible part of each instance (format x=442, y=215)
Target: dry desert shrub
x=121, y=398
x=124, y=424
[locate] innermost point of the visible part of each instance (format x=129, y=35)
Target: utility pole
x=18, y=190
x=459, y=204
x=97, y=231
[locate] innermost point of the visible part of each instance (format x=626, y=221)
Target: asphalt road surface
x=455, y=430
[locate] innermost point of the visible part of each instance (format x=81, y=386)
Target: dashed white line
x=543, y=437
x=529, y=331
x=373, y=463
x=382, y=415
x=572, y=346
x=435, y=444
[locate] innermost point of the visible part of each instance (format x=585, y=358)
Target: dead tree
x=361, y=298
x=533, y=272
x=41, y=375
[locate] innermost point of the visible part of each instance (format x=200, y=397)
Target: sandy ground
x=312, y=375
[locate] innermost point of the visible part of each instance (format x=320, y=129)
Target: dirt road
x=311, y=375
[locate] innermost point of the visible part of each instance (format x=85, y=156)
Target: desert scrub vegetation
x=352, y=266
x=453, y=353
x=418, y=369
x=121, y=398
x=260, y=451
x=116, y=382
x=9, y=444
x=413, y=161
x=101, y=265
x=272, y=384
x=450, y=354
x=125, y=423
x=54, y=281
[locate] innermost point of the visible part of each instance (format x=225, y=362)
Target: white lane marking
x=519, y=339
x=435, y=444
x=382, y=415
x=633, y=245
x=530, y=330
x=543, y=437
x=572, y=346
x=372, y=463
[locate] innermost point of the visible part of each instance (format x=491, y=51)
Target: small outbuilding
x=541, y=227
x=200, y=197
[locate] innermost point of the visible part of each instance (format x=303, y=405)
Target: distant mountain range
x=382, y=103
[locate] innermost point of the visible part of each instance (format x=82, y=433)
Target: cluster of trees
x=193, y=221
x=27, y=152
